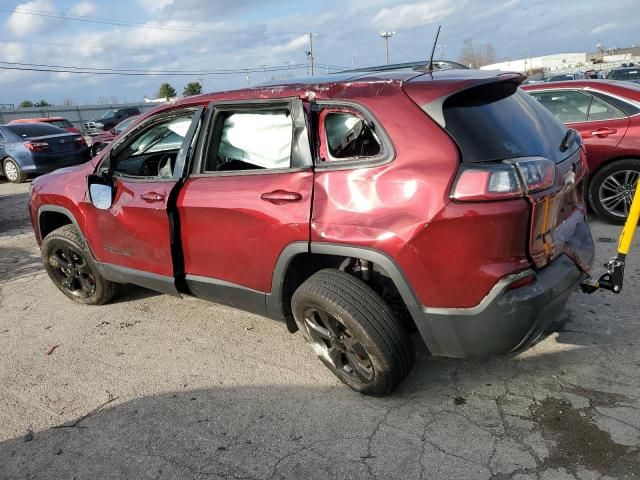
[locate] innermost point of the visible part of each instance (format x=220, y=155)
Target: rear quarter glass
x=498, y=121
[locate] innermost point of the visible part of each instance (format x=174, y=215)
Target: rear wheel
x=612, y=188
x=353, y=332
x=72, y=270
x=12, y=171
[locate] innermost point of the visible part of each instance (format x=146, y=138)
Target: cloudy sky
x=207, y=36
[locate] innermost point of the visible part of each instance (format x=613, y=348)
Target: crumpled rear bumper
x=506, y=320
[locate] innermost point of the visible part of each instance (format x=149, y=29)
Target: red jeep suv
x=355, y=207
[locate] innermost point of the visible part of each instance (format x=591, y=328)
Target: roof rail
x=417, y=66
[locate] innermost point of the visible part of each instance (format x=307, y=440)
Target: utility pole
x=441, y=48
x=288, y=64
x=310, y=53
x=248, y=80
x=527, y=53
x=353, y=60
x=201, y=80
x=386, y=36
x=264, y=72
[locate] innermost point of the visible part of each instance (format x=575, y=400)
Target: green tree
x=192, y=88
x=26, y=104
x=166, y=91
x=43, y=103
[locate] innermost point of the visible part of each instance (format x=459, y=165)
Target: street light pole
x=386, y=36
x=264, y=72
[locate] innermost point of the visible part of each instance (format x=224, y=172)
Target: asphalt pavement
x=156, y=387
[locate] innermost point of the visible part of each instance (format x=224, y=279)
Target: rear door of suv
x=248, y=196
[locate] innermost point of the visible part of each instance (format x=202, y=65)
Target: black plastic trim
x=226, y=293
x=152, y=281
x=274, y=300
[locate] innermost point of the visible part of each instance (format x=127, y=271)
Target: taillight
x=36, y=146
x=80, y=142
x=502, y=181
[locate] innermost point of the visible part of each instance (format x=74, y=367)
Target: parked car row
x=36, y=148
x=628, y=73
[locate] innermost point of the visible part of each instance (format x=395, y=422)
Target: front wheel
x=72, y=270
x=353, y=332
x=611, y=190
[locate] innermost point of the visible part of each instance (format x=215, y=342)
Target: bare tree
x=67, y=102
x=475, y=56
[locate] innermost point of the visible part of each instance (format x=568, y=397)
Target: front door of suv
x=132, y=238
x=247, y=198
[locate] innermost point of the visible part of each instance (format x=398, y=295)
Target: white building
x=548, y=63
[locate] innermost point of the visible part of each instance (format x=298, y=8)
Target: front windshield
x=108, y=114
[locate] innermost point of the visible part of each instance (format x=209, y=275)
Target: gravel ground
x=152, y=386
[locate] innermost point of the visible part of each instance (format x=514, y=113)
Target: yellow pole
x=626, y=237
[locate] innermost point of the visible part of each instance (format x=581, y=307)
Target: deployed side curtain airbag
x=262, y=139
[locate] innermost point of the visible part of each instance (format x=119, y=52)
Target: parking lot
x=152, y=386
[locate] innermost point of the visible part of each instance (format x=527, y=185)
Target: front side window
x=251, y=141
x=569, y=106
x=350, y=136
x=153, y=152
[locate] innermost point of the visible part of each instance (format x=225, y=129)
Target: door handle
x=279, y=197
x=603, y=132
x=152, y=197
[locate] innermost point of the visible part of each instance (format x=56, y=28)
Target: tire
x=12, y=171
x=73, y=270
x=604, y=191
x=353, y=332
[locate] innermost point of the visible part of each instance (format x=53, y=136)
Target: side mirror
x=100, y=191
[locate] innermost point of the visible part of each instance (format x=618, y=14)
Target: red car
x=55, y=121
x=102, y=139
x=606, y=113
x=355, y=208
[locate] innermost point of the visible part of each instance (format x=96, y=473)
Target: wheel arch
x=299, y=260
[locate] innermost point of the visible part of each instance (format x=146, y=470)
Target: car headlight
x=99, y=125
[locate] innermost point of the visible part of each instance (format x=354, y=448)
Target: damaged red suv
x=356, y=207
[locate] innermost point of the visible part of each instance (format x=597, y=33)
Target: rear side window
x=27, y=130
x=250, y=141
x=498, y=121
x=61, y=123
x=600, y=110
x=350, y=136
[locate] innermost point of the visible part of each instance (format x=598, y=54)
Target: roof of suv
x=355, y=84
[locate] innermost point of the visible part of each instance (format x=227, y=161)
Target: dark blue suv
x=34, y=148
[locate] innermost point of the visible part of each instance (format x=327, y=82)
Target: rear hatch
x=527, y=152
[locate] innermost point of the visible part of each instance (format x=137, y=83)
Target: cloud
x=84, y=9
x=153, y=5
x=22, y=24
x=410, y=15
x=603, y=28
